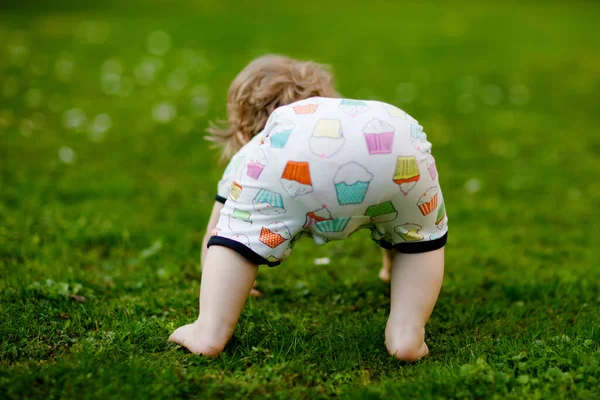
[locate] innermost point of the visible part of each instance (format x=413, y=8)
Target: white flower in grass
x=159, y=43
x=322, y=261
x=66, y=155
x=164, y=112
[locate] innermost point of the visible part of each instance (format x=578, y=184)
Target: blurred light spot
x=33, y=98
x=6, y=118
x=185, y=124
x=100, y=124
x=164, y=112
x=112, y=66
x=93, y=32
x=17, y=54
x=465, y=103
x=473, y=185
x=468, y=84
x=491, y=94
x=57, y=102
x=519, y=95
x=10, y=86
x=192, y=60
x=159, y=43
x=177, y=80
x=200, y=100
x=66, y=155
x=38, y=120
x=64, y=67
x=146, y=71
x=26, y=127
x=499, y=147
x=111, y=84
x=74, y=118
x=322, y=261
x=406, y=92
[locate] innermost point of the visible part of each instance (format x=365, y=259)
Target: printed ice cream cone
x=407, y=173
x=296, y=178
x=268, y=202
x=383, y=212
x=353, y=107
x=428, y=200
x=351, y=183
x=409, y=232
x=379, y=136
x=236, y=191
x=312, y=217
x=274, y=234
x=327, y=138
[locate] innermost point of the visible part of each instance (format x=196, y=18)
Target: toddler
x=312, y=164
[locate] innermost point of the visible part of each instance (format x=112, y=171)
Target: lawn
x=106, y=184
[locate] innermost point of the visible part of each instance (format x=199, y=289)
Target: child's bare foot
x=406, y=343
x=199, y=340
x=255, y=292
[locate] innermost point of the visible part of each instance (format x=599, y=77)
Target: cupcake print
x=407, y=173
x=333, y=225
x=353, y=107
x=379, y=136
x=239, y=220
x=409, y=232
x=313, y=217
x=383, y=212
x=327, y=138
x=351, y=183
x=394, y=111
x=274, y=234
x=243, y=239
x=280, y=133
x=430, y=163
x=308, y=108
x=296, y=178
x=441, y=216
x=419, y=138
x=257, y=164
x=236, y=191
x=428, y=201
x=268, y=203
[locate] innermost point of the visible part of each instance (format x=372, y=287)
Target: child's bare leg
x=227, y=279
x=386, y=269
x=416, y=284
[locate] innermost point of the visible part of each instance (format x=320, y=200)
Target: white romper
x=325, y=168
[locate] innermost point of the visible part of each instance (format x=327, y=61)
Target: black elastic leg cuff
x=242, y=250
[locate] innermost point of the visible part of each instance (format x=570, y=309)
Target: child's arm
x=212, y=224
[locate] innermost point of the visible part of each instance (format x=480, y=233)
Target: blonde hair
x=265, y=84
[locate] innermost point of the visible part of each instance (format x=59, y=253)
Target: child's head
x=266, y=83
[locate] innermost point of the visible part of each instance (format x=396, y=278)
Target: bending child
x=312, y=164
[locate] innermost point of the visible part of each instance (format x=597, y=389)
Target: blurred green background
x=106, y=184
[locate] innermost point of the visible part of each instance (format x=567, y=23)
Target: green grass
x=508, y=94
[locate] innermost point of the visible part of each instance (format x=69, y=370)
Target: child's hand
x=254, y=292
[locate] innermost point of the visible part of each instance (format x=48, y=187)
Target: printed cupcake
x=441, y=216
x=383, y=212
x=274, y=234
x=257, y=164
x=409, y=232
x=280, y=133
x=239, y=219
x=334, y=225
x=351, y=183
x=430, y=163
x=236, y=191
x=428, y=201
x=379, y=136
x=296, y=178
x=313, y=217
x=353, y=107
x=407, y=173
x=394, y=111
x=308, y=108
x=243, y=239
x=419, y=138
x=268, y=203
x=327, y=138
